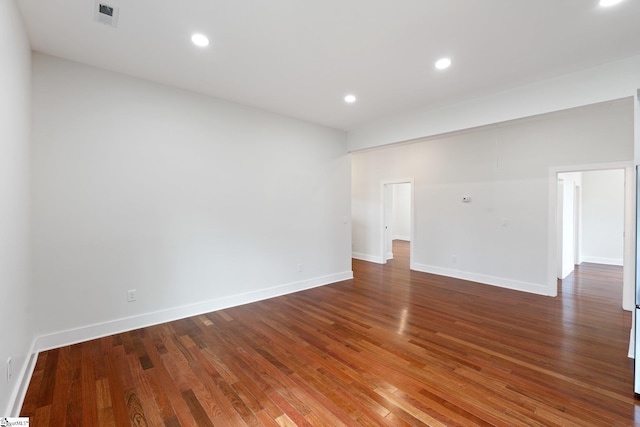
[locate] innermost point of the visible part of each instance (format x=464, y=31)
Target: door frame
x=575, y=223
x=383, y=184
x=629, y=273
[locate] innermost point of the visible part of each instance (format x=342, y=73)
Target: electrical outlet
x=131, y=295
x=9, y=370
x=454, y=258
x=300, y=267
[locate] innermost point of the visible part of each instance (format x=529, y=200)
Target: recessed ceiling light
x=350, y=99
x=607, y=3
x=200, y=40
x=443, y=63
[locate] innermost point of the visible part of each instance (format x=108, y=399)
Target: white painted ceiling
x=300, y=57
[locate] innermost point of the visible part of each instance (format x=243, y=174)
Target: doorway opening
x=397, y=218
x=594, y=223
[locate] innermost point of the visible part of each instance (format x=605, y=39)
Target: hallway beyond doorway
x=401, y=255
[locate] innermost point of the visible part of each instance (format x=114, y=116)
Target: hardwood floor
x=391, y=347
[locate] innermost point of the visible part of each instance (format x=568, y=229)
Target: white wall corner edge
x=516, y=285
x=99, y=330
x=632, y=345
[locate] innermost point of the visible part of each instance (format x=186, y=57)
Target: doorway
x=397, y=216
x=594, y=221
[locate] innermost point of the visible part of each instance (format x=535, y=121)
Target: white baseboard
x=23, y=379
x=533, y=288
x=400, y=237
x=89, y=332
x=389, y=255
x=366, y=257
x=99, y=330
x=600, y=260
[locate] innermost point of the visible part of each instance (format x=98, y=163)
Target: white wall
x=401, y=227
x=603, y=216
x=501, y=237
x=196, y=203
x=16, y=331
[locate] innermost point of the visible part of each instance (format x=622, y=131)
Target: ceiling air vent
x=106, y=14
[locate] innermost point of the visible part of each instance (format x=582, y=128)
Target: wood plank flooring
x=391, y=347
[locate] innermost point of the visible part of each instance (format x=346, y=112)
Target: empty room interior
x=338, y=213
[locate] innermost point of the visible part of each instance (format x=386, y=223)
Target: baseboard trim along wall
x=473, y=277
x=368, y=258
x=90, y=332
x=22, y=383
x=484, y=279
x=599, y=260
x=99, y=330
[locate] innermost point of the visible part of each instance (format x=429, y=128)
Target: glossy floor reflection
x=391, y=347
